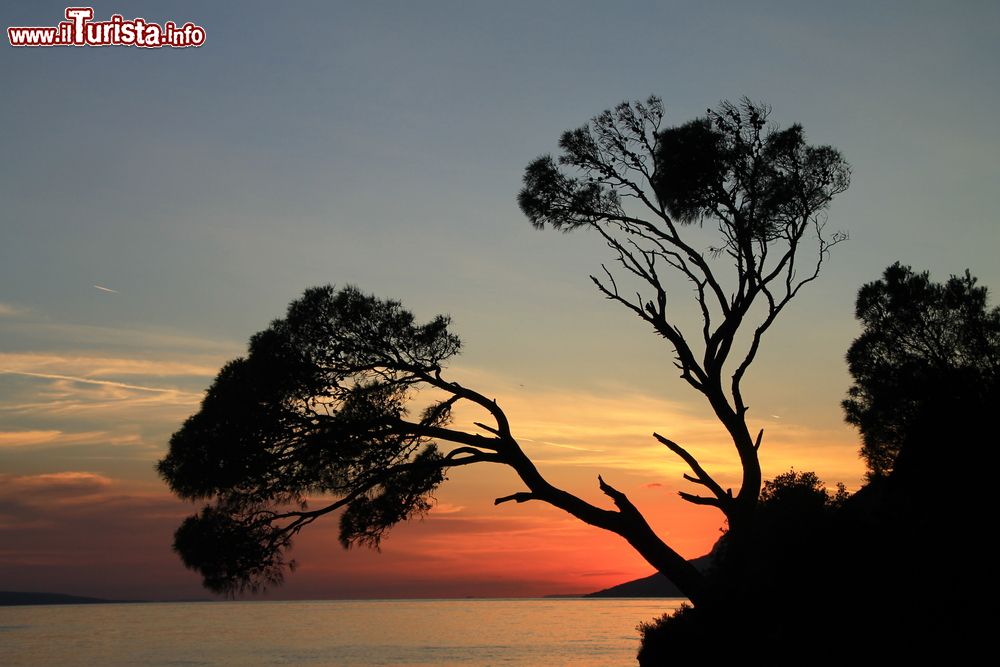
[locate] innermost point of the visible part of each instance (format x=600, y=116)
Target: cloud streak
x=104, y=383
x=159, y=342
x=68, y=483
x=94, y=366
x=27, y=438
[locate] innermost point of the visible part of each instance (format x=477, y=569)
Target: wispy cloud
x=447, y=508
x=27, y=438
x=100, y=389
x=69, y=404
x=56, y=488
x=53, y=437
x=75, y=482
x=106, y=289
x=161, y=342
x=105, y=383
x=7, y=310
x=130, y=416
x=563, y=445
x=90, y=367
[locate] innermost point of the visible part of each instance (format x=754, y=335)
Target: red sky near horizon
x=107, y=534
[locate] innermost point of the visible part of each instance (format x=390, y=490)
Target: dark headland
x=654, y=586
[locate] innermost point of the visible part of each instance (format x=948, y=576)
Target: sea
x=590, y=632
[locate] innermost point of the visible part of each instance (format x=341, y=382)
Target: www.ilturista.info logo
x=79, y=29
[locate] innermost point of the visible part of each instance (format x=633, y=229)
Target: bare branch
x=699, y=500
x=487, y=428
x=701, y=475
x=473, y=455
x=520, y=497
x=617, y=496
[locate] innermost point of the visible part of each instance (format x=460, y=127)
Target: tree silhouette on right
x=909, y=554
x=928, y=351
x=926, y=368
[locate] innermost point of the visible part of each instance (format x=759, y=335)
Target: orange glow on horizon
x=466, y=546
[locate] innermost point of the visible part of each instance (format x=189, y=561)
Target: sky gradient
x=382, y=145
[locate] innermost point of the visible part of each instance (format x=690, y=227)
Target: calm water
x=370, y=632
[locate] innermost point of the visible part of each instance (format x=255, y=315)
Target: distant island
x=654, y=586
x=14, y=598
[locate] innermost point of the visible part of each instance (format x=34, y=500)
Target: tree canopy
x=640, y=185
x=927, y=349
x=317, y=407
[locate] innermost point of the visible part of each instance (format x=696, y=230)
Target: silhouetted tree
x=926, y=372
x=322, y=404
x=929, y=352
x=799, y=490
x=642, y=188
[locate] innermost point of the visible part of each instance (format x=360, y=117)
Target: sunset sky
x=160, y=206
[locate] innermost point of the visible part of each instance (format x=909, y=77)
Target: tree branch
x=520, y=497
x=701, y=475
x=700, y=500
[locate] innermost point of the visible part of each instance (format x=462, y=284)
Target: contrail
x=105, y=383
x=106, y=289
